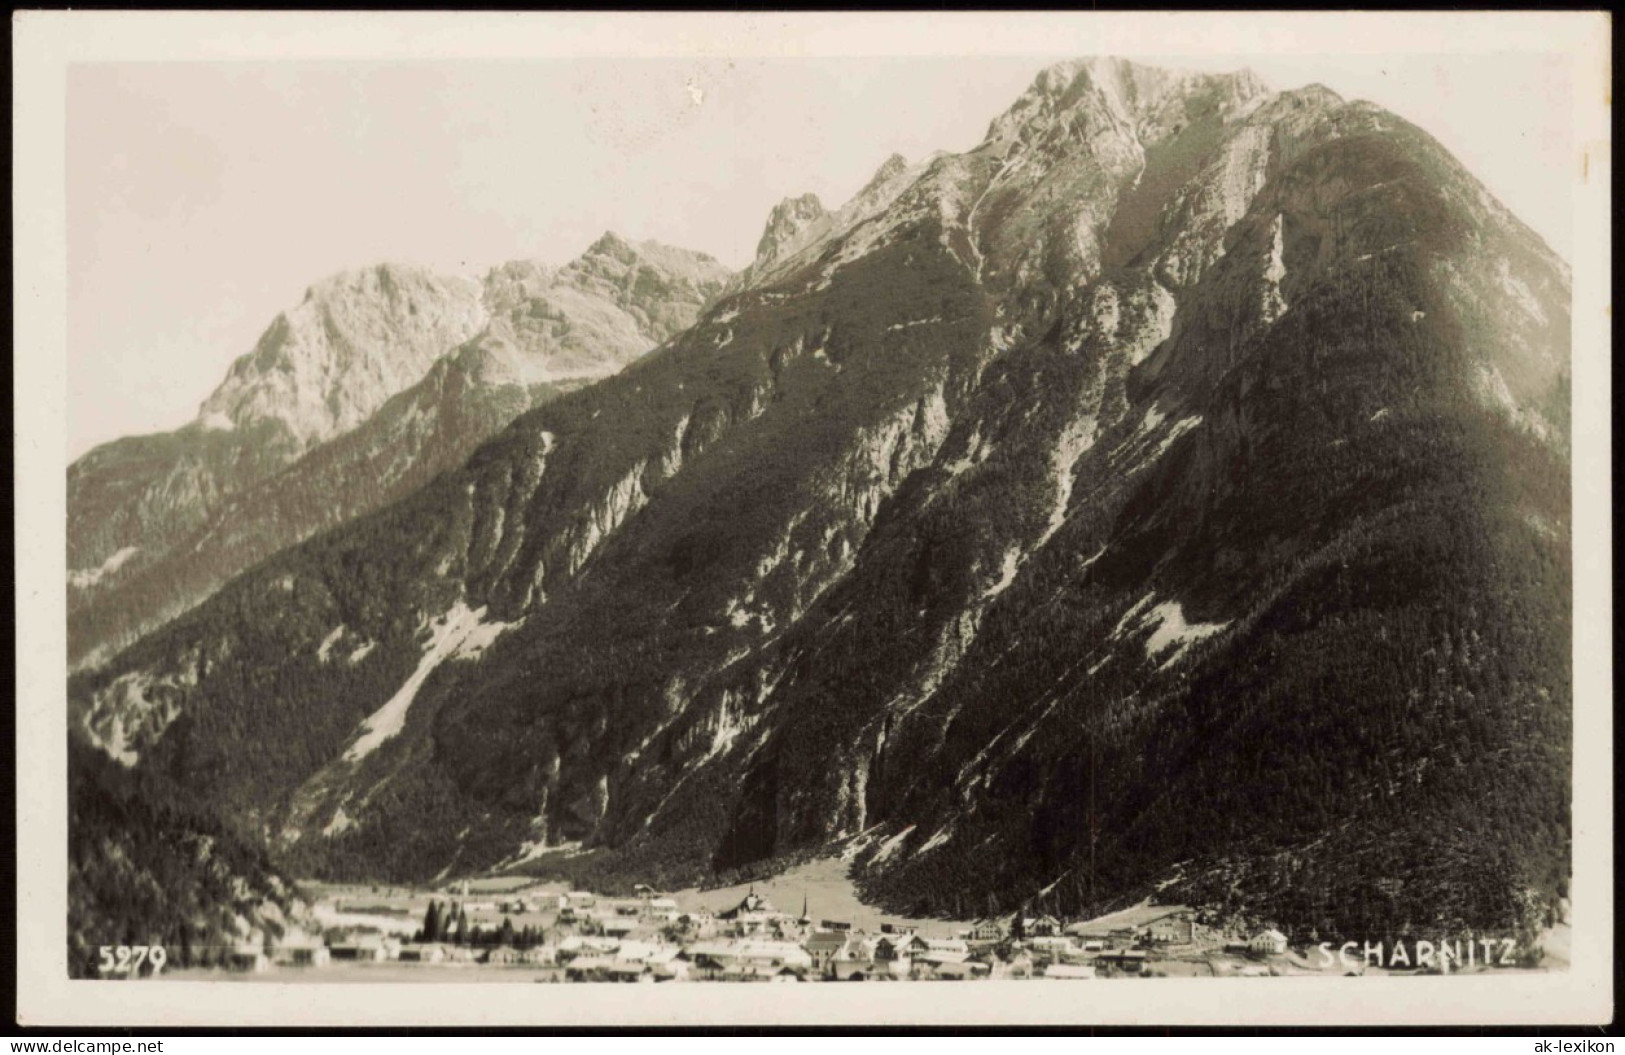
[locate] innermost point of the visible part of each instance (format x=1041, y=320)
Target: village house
x=642, y=951
x=305, y=954
x=674, y=969
x=660, y=908
x=427, y=953
x=616, y=926
x=710, y=958
x=823, y=946
x=627, y=971
x=1052, y=946
x=774, y=954
x=588, y=945
x=588, y=969
x=786, y=929
x=901, y=929
x=655, y=955
x=1124, y=937
x=859, y=946
x=937, y=954
x=754, y=915
x=1174, y=929
x=701, y=925
x=1042, y=926
x=1076, y=954
x=1019, y=965
x=706, y=964
x=365, y=948
x=859, y=970
x=751, y=903
x=949, y=971
x=986, y=930
x=1269, y=942
x=887, y=949
x=886, y=955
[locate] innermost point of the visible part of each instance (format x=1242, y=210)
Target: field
x=1133, y=916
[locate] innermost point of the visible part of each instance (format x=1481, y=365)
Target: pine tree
x=431, y=923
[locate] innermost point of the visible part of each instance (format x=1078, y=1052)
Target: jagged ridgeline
x=375, y=383
x=1169, y=492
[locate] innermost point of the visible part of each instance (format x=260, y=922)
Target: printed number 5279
x=127, y=959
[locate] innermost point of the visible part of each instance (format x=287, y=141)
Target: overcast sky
x=204, y=197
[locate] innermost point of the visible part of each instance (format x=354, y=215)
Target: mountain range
x=374, y=383
x=1168, y=495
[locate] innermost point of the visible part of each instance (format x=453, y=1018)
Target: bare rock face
x=376, y=382
x=148, y=869
x=356, y=339
x=1168, y=493
x=787, y=227
x=595, y=315
x=798, y=229
x=793, y=224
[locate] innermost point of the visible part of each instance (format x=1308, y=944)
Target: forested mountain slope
x=1170, y=490
x=145, y=868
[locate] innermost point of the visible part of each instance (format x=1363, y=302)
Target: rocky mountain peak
x=158, y=522
x=593, y=315
x=1142, y=99
x=355, y=339
x=613, y=245
x=889, y=170
x=786, y=224
x=1315, y=95
x=799, y=228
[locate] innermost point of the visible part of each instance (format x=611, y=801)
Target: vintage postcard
x=1110, y=511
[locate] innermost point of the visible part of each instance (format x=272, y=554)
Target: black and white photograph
x=702, y=501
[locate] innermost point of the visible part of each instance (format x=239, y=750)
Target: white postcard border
x=44, y=44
